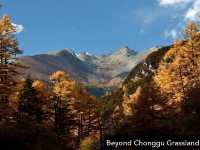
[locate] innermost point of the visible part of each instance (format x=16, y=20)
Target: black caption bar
x=122, y=143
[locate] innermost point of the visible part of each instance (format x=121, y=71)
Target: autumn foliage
x=164, y=100
x=161, y=97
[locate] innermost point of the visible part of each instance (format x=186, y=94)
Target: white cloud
x=173, y=2
x=193, y=13
x=174, y=32
x=171, y=33
x=19, y=28
x=193, y=7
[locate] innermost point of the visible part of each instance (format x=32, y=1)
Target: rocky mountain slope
x=105, y=70
x=139, y=75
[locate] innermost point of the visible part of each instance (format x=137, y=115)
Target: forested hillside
x=58, y=115
x=160, y=96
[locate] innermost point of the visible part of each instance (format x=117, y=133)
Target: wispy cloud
x=19, y=28
x=172, y=33
x=147, y=15
x=173, y=2
x=191, y=11
x=144, y=16
x=193, y=7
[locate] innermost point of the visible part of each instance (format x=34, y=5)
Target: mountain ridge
x=106, y=70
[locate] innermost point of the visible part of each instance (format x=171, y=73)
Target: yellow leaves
x=131, y=100
x=174, y=52
x=169, y=81
x=71, y=90
x=62, y=85
x=58, y=76
x=8, y=42
x=170, y=54
x=39, y=85
x=125, y=90
x=5, y=54
x=190, y=29
x=6, y=27
x=137, y=94
x=178, y=43
x=177, y=71
x=167, y=77
x=90, y=142
x=83, y=98
x=63, y=88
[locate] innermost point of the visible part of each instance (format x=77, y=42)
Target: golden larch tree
x=8, y=50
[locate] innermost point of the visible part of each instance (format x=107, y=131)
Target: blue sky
x=98, y=26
